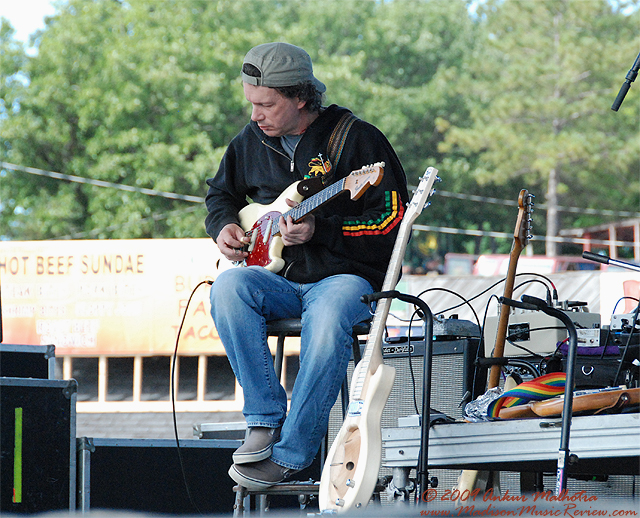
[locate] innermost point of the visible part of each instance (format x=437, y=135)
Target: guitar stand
x=398, y=486
x=423, y=481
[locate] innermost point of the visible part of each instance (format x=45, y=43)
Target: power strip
x=540, y=333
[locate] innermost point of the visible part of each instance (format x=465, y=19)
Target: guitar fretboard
x=310, y=204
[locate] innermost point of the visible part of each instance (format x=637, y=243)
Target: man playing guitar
x=329, y=258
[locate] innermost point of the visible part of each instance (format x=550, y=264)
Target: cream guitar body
x=356, y=449
x=351, y=469
x=259, y=220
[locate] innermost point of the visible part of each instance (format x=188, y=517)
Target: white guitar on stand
x=351, y=469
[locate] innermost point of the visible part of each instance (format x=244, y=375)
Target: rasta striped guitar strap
x=338, y=138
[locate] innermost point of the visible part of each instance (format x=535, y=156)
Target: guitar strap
x=338, y=138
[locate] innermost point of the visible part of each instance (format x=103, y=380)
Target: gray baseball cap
x=280, y=64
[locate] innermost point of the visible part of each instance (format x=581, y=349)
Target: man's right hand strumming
x=231, y=242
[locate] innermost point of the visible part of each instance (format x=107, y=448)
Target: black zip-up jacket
x=351, y=236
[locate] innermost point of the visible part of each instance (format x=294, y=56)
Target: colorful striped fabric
x=538, y=389
x=383, y=224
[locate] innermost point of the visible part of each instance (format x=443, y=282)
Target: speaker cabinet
x=454, y=379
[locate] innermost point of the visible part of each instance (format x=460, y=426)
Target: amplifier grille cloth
x=446, y=392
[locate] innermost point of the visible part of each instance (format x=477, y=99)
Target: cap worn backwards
x=280, y=65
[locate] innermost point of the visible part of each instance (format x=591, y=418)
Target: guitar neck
x=372, y=356
x=310, y=204
x=503, y=321
x=521, y=236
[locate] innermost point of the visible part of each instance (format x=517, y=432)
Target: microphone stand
x=607, y=260
x=630, y=78
x=564, y=456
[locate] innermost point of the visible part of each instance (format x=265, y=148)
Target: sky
x=26, y=16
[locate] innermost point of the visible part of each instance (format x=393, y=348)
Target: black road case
x=27, y=361
x=37, y=445
x=145, y=475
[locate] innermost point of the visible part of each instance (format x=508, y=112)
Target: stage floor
x=603, y=444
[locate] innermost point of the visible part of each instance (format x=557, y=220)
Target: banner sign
x=109, y=297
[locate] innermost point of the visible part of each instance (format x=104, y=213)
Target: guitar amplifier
x=455, y=347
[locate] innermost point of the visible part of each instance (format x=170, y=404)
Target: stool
x=305, y=490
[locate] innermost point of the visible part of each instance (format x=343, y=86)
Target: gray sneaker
x=257, y=445
x=259, y=475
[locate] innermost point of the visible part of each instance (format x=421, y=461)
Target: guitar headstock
x=524, y=223
x=358, y=181
x=421, y=194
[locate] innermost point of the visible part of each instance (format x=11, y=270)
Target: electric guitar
x=351, y=468
x=472, y=479
x=260, y=222
x=595, y=401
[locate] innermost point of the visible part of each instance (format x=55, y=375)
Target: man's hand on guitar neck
x=232, y=241
x=296, y=233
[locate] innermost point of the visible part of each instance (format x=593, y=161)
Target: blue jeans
x=242, y=301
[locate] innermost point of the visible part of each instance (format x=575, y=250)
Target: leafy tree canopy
x=147, y=94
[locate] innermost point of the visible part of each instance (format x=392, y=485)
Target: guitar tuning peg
x=438, y=179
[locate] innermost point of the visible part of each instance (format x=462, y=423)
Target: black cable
x=467, y=300
x=529, y=281
x=626, y=347
x=173, y=398
x=620, y=300
x=451, y=292
x=555, y=291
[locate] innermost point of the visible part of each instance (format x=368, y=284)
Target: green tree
x=541, y=87
x=140, y=95
x=147, y=94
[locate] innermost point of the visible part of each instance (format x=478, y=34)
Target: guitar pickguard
x=266, y=250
